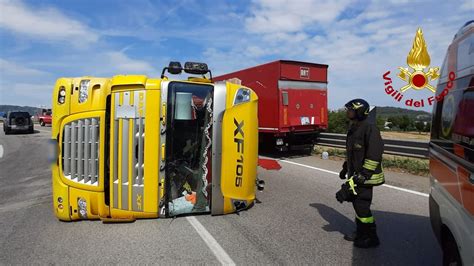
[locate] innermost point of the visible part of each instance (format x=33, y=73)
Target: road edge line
x=335, y=173
x=211, y=242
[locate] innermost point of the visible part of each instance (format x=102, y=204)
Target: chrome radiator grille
x=80, y=152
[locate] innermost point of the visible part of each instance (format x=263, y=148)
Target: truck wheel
x=42, y=123
x=450, y=252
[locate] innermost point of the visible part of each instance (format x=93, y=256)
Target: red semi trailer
x=292, y=107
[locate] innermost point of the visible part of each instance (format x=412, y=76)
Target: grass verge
x=390, y=162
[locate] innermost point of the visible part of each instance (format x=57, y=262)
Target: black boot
x=369, y=238
x=351, y=237
x=354, y=235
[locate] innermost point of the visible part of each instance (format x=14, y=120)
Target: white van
x=452, y=152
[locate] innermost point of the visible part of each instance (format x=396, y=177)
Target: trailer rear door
x=303, y=105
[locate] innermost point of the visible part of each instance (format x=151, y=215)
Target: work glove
x=346, y=193
x=342, y=174
x=359, y=179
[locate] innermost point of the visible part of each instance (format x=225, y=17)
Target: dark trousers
x=362, y=203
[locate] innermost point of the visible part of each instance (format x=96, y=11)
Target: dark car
x=17, y=122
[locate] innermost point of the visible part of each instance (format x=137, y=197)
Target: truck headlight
x=242, y=96
x=84, y=90
x=62, y=95
x=82, y=205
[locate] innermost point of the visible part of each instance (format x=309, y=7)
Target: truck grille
x=80, y=152
x=129, y=146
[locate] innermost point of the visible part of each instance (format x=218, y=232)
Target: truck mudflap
x=236, y=145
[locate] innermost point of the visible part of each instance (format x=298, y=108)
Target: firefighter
x=363, y=168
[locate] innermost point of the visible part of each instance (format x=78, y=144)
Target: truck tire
x=308, y=151
x=451, y=254
x=42, y=123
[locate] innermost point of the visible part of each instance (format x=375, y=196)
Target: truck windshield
x=188, y=153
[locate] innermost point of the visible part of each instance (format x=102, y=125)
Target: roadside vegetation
x=388, y=119
x=402, y=164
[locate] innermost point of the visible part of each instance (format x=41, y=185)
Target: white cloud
x=221, y=62
x=31, y=94
x=121, y=63
x=467, y=5
x=22, y=84
x=27, y=89
x=14, y=70
x=270, y=16
x=45, y=24
x=359, y=41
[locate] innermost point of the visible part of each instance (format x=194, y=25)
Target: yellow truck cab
x=133, y=147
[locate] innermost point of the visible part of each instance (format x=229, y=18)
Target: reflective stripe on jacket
x=364, y=148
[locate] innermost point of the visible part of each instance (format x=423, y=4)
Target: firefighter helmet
x=361, y=108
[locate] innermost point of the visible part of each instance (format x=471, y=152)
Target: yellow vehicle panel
x=105, y=131
x=134, y=188
x=97, y=91
x=239, y=150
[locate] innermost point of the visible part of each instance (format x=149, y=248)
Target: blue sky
x=41, y=41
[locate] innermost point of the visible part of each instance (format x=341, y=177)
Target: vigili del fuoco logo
x=417, y=76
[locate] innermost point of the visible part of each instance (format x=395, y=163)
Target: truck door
x=134, y=151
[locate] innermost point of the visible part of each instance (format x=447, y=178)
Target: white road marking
x=335, y=173
x=218, y=251
x=310, y=167
x=407, y=190
x=1, y=151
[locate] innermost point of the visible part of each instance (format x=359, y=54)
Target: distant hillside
x=387, y=111
x=29, y=109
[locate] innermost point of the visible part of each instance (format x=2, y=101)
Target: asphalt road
x=297, y=222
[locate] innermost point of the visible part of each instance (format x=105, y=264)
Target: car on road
x=17, y=121
x=44, y=117
x=452, y=152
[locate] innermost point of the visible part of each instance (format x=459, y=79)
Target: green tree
x=395, y=122
x=427, y=127
x=337, y=121
x=404, y=123
x=420, y=126
x=380, y=123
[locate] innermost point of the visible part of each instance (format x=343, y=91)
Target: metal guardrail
x=409, y=148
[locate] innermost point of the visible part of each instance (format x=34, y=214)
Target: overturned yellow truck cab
x=133, y=147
